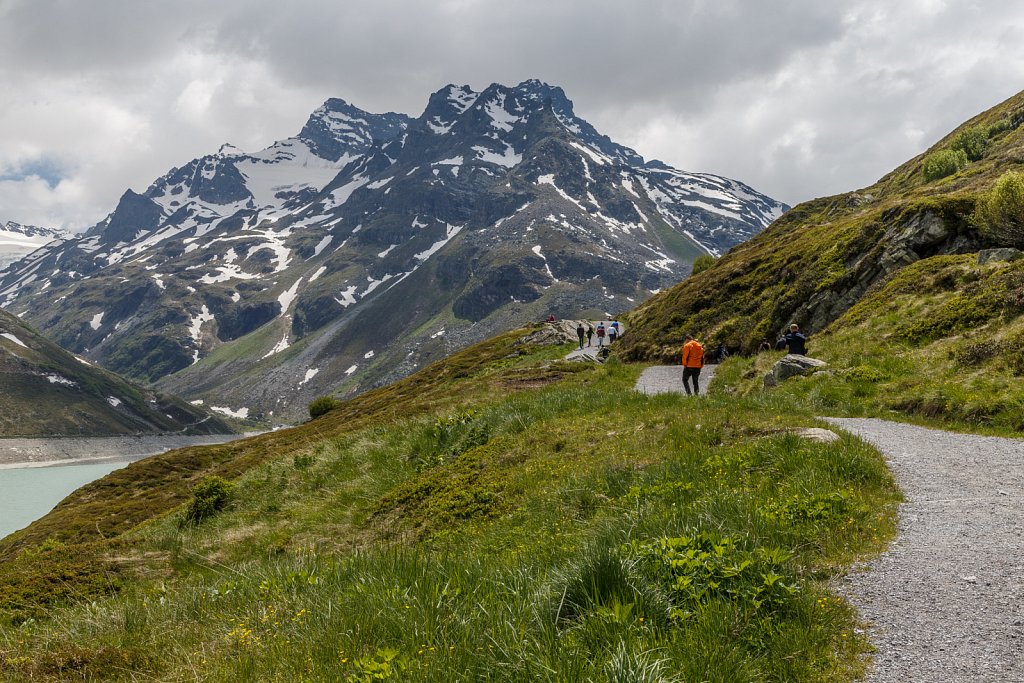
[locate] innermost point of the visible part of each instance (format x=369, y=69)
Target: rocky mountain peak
x=337, y=128
x=370, y=244
x=17, y=240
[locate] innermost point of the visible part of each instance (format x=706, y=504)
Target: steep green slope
x=822, y=256
x=46, y=391
x=501, y=515
x=941, y=342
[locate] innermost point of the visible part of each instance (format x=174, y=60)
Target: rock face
x=996, y=255
x=904, y=241
x=792, y=365
x=371, y=244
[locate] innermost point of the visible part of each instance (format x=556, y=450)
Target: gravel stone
x=944, y=603
x=668, y=379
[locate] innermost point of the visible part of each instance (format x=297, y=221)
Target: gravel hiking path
x=668, y=379
x=944, y=603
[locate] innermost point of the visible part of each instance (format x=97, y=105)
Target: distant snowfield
x=241, y=413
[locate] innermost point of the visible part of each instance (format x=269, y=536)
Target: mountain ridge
x=262, y=280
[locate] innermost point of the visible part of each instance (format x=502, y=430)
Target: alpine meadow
x=492, y=510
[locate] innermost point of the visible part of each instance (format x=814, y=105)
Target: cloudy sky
x=798, y=98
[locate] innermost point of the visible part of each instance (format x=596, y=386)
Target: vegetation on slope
x=501, y=516
x=46, y=391
x=821, y=257
x=941, y=343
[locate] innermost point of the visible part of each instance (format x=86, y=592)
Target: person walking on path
x=581, y=333
x=693, y=361
x=590, y=333
x=720, y=353
x=616, y=330
x=600, y=335
x=794, y=340
x=613, y=333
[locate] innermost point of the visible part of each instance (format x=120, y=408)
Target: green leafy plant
x=209, y=497
x=972, y=142
x=944, y=163
x=702, y=567
x=385, y=664
x=450, y=437
x=322, y=405
x=1000, y=212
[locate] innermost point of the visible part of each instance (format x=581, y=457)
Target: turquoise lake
x=28, y=493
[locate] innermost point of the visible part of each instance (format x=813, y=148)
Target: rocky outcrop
x=996, y=255
x=793, y=365
x=902, y=239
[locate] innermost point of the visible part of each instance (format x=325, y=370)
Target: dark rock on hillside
x=134, y=214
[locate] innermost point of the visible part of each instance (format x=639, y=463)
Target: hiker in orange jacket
x=693, y=361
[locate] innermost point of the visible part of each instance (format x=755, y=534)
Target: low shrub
x=322, y=405
x=944, y=163
x=972, y=142
x=1000, y=212
x=999, y=127
x=209, y=497
x=702, y=263
x=865, y=373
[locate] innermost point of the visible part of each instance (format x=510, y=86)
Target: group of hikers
x=693, y=357
x=609, y=333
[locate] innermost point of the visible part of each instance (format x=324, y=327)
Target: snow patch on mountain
x=11, y=337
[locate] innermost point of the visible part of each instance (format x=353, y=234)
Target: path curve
x=945, y=601
x=668, y=379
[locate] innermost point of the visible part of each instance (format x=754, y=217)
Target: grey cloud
x=797, y=98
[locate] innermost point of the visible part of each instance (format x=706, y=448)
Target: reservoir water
x=28, y=493
x=36, y=474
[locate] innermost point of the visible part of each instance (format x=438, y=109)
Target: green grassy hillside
x=940, y=343
x=46, y=391
x=501, y=515
x=824, y=255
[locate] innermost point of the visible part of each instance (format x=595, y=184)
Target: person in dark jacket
x=590, y=334
x=720, y=353
x=581, y=333
x=794, y=341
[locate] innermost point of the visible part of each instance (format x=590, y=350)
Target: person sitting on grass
x=794, y=341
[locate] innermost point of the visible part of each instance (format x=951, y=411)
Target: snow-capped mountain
x=17, y=241
x=369, y=244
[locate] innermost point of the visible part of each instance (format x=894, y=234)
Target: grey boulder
x=792, y=365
